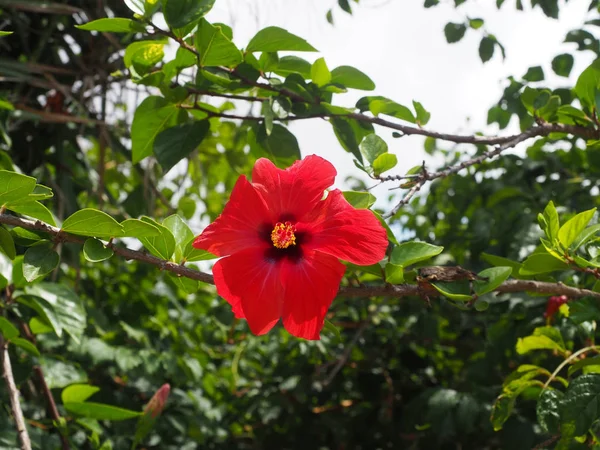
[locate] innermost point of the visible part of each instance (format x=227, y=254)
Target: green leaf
x=77, y=393
x=504, y=404
x=100, y=411
x=267, y=111
x=573, y=227
x=95, y=251
x=14, y=186
x=476, y=23
x=585, y=236
x=583, y=310
x=388, y=230
x=587, y=85
x=552, y=221
x=179, y=13
x=215, y=48
x=352, y=78
x=7, y=245
x=361, y=200
x=113, y=25
x=92, y=222
x=6, y=33
x=458, y=290
x=59, y=306
x=176, y=143
x=138, y=229
x=181, y=232
x=26, y=346
x=384, y=163
x=59, y=374
x=293, y=64
x=33, y=209
x=391, y=108
x=548, y=410
x=195, y=254
x=454, y=32
x=8, y=330
x=496, y=276
x=345, y=5
x=143, y=55
x=581, y=403
x=543, y=338
x=524, y=372
x=412, y=252
x=541, y=263
x=188, y=285
x=487, y=46
x=39, y=260
x=17, y=272
x=161, y=246
x=5, y=104
x=274, y=39
x=535, y=73
x=562, y=64
x=38, y=326
x=320, y=73
x=500, y=261
x=152, y=116
x=350, y=134
x=593, y=361
x=332, y=329
x=394, y=274
x=372, y=147
x=281, y=146
x=329, y=16
x=423, y=115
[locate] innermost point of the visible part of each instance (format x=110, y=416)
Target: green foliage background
x=418, y=377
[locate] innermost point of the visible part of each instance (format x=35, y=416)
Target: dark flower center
x=284, y=239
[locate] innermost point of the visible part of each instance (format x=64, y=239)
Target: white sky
x=402, y=47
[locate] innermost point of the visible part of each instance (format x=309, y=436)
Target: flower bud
x=554, y=303
x=158, y=401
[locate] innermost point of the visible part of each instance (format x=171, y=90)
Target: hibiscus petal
x=337, y=228
x=240, y=224
x=311, y=283
x=251, y=285
x=294, y=191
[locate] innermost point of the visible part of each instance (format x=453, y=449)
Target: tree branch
x=388, y=290
x=13, y=393
x=543, y=130
x=425, y=176
x=509, y=286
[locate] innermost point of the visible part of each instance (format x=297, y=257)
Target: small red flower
x=553, y=305
x=281, y=242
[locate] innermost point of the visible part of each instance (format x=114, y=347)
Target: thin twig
x=13, y=393
x=44, y=387
x=425, y=176
x=567, y=361
x=348, y=350
x=547, y=443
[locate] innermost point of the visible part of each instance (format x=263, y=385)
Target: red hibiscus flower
x=281, y=242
